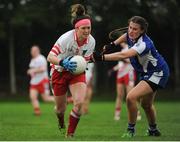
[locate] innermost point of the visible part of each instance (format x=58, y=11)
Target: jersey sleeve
x=58, y=47
x=141, y=48
x=56, y=50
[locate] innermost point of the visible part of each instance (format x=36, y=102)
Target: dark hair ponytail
x=78, y=12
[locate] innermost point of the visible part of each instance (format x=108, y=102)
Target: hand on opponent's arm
x=108, y=48
x=99, y=55
x=112, y=46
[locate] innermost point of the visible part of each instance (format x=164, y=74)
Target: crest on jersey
x=84, y=52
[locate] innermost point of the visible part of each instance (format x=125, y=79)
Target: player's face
x=84, y=31
x=34, y=51
x=134, y=30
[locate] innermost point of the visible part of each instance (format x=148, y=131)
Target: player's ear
x=76, y=29
x=142, y=31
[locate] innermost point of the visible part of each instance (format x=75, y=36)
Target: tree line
x=27, y=22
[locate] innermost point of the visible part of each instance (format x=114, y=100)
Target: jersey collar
x=80, y=44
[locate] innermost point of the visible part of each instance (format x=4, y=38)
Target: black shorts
x=153, y=86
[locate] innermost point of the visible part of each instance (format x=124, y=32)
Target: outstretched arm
x=120, y=55
x=114, y=56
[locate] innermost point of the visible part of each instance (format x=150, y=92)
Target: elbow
x=49, y=58
x=52, y=59
x=124, y=55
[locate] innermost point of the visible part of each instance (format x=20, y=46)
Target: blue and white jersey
x=149, y=63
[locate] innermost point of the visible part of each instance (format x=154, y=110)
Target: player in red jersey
x=78, y=41
x=89, y=90
x=39, y=83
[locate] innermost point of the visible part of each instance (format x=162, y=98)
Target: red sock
x=70, y=100
x=60, y=117
x=37, y=111
x=118, y=109
x=73, y=121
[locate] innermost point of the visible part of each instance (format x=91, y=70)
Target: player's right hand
x=68, y=64
x=108, y=48
x=97, y=56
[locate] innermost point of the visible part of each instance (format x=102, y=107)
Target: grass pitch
x=18, y=123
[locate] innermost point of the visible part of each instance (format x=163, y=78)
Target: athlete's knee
x=130, y=98
x=146, y=106
x=58, y=112
x=120, y=94
x=78, y=106
x=79, y=100
x=33, y=97
x=87, y=97
x=60, y=108
x=45, y=98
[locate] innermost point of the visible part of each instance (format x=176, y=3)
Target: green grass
x=18, y=123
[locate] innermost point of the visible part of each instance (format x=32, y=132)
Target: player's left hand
x=31, y=72
x=68, y=64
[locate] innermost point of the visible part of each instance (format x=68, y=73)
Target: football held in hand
x=81, y=64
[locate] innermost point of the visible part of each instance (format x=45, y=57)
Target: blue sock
x=131, y=127
x=153, y=126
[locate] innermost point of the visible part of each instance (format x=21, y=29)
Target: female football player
x=149, y=64
x=89, y=90
x=78, y=41
x=125, y=81
x=39, y=83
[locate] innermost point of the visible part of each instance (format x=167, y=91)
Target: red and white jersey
x=67, y=45
x=89, y=72
x=37, y=62
x=124, y=66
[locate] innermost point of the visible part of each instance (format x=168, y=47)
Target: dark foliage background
x=27, y=22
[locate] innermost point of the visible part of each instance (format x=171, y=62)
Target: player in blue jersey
x=151, y=66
